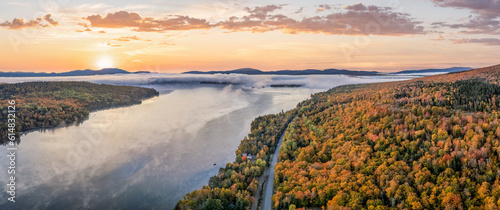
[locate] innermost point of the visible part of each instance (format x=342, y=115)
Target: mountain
x=448, y=70
x=251, y=71
x=86, y=72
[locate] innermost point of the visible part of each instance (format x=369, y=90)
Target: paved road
x=268, y=191
x=262, y=180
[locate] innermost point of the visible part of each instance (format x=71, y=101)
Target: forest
x=426, y=143
x=42, y=105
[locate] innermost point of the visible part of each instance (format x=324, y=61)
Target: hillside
x=53, y=104
x=427, y=143
x=447, y=70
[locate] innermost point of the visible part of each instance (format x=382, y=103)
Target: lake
x=148, y=156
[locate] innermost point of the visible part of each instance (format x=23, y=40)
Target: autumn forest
x=43, y=105
x=426, y=143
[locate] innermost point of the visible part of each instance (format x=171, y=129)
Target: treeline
x=235, y=185
x=467, y=95
x=52, y=104
x=430, y=143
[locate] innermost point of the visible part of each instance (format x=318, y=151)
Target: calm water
x=147, y=156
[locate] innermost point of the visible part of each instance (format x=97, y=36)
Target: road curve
x=268, y=191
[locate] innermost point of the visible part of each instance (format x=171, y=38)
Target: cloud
x=483, y=22
x=123, y=19
x=438, y=38
x=485, y=8
x=19, y=23
x=86, y=30
x=119, y=19
x=475, y=25
x=113, y=45
x=261, y=12
x=484, y=41
x=127, y=38
x=357, y=20
x=356, y=7
x=48, y=18
x=299, y=11
x=323, y=7
x=166, y=44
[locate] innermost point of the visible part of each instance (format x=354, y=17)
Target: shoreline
x=43, y=129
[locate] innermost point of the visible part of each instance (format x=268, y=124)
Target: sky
x=178, y=36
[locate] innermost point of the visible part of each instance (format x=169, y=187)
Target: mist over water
x=150, y=155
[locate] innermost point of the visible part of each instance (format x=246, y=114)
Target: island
x=426, y=143
x=42, y=105
x=286, y=85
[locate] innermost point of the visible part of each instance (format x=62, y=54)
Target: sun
x=105, y=62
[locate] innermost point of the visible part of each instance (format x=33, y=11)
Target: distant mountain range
x=247, y=71
x=87, y=72
x=250, y=71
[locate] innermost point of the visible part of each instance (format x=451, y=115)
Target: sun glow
x=105, y=62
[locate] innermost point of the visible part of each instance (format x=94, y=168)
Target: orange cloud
x=87, y=29
x=113, y=45
x=19, y=23
x=48, y=18
x=166, y=44
x=127, y=38
x=123, y=19
x=357, y=19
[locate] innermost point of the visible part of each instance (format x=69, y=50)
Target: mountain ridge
x=86, y=72
x=246, y=71
x=330, y=71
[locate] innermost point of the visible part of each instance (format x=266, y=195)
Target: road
x=269, y=187
x=262, y=180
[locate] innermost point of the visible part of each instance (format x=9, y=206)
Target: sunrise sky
x=177, y=36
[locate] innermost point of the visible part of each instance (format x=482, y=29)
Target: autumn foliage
x=428, y=143
x=51, y=104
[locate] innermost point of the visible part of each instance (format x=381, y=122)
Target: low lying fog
x=321, y=82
